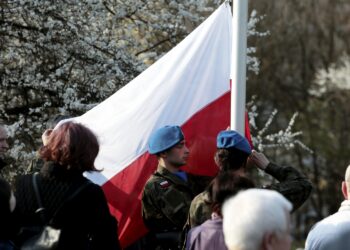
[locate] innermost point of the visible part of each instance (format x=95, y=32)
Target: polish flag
x=189, y=87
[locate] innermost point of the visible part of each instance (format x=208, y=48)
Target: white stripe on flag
x=186, y=79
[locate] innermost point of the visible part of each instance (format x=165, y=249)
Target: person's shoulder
x=202, y=197
x=200, y=200
x=86, y=185
x=338, y=218
x=157, y=182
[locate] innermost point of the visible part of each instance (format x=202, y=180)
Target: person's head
x=3, y=141
x=346, y=184
x=73, y=146
x=257, y=219
x=224, y=186
x=7, y=199
x=168, y=143
x=232, y=151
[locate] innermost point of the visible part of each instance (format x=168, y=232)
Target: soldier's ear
x=163, y=154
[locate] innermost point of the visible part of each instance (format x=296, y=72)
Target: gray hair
x=251, y=214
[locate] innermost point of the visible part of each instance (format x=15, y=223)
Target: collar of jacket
x=165, y=173
x=52, y=169
x=345, y=206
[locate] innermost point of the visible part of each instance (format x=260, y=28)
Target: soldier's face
x=3, y=143
x=177, y=155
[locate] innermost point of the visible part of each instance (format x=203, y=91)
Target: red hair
x=72, y=145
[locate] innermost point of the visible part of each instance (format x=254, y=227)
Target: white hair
x=251, y=214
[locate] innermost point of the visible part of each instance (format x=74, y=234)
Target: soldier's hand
x=259, y=159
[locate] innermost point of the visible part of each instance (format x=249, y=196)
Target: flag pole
x=239, y=63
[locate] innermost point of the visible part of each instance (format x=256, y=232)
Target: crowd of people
x=180, y=210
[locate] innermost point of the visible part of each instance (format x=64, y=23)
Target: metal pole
x=239, y=63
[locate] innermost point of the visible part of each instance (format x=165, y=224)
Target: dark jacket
x=85, y=221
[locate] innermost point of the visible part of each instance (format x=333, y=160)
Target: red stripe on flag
x=201, y=131
x=124, y=192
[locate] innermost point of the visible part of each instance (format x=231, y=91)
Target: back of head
x=232, y=150
x=225, y=185
x=73, y=146
x=251, y=214
x=230, y=159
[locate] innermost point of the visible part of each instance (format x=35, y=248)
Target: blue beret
x=164, y=138
x=232, y=139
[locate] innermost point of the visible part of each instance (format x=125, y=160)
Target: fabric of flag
x=189, y=87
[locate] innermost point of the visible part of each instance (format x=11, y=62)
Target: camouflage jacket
x=292, y=184
x=166, y=199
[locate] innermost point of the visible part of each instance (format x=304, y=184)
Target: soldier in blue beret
x=233, y=153
x=168, y=193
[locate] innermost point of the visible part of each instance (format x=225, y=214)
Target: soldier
x=168, y=193
x=233, y=151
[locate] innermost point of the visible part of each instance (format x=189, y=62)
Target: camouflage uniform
x=200, y=209
x=166, y=199
x=292, y=184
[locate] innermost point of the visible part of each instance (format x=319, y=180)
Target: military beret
x=232, y=139
x=164, y=138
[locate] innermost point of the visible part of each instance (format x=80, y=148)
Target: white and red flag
x=189, y=87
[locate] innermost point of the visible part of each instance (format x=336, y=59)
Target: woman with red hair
x=70, y=202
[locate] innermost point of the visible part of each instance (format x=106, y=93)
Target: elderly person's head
x=73, y=146
x=257, y=219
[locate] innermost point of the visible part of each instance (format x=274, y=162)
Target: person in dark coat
x=7, y=205
x=85, y=221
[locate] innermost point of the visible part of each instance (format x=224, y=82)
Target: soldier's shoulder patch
x=164, y=184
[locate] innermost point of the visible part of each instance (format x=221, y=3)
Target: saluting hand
x=259, y=159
